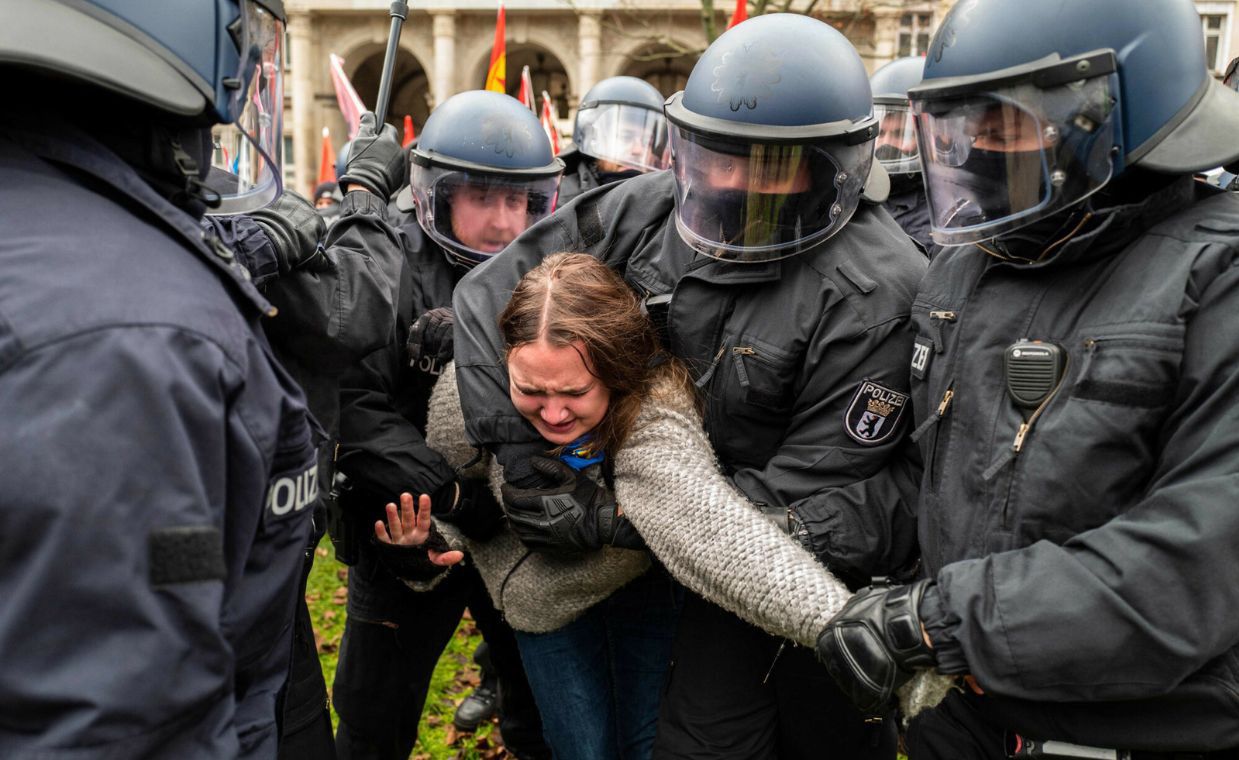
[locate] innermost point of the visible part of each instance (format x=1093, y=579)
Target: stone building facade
x=568, y=45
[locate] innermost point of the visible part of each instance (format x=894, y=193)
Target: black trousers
x=305, y=728
x=719, y=702
x=956, y=730
x=392, y=639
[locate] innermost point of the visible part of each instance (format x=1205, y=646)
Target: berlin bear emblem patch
x=874, y=413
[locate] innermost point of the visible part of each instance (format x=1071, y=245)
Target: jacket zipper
x=933, y=421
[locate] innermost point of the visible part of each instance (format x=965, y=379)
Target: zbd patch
x=874, y=413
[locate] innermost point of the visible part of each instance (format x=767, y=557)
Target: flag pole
x=399, y=11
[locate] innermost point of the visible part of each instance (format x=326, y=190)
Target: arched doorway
x=410, y=91
x=662, y=66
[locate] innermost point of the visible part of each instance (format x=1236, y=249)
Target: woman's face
x=551, y=386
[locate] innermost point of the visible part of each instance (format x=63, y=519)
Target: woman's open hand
x=409, y=526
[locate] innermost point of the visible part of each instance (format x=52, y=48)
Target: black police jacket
x=801, y=362
x=1090, y=581
x=158, y=469
x=384, y=400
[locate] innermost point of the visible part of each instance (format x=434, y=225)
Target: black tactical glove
x=376, y=160
x=875, y=644
x=430, y=340
x=412, y=563
x=294, y=229
x=471, y=508
x=570, y=518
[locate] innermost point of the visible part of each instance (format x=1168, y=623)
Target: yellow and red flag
x=326, y=160
x=740, y=14
x=497, y=73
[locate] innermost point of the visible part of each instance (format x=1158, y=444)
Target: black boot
x=482, y=704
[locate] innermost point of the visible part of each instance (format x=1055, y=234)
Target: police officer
x=896, y=146
x=159, y=463
x=1073, y=380
x=481, y=173
x=336, y=304
x=786, y=291
x=619, y=132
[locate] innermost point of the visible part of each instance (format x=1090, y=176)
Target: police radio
x=1032, y=370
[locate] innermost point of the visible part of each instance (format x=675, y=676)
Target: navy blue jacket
x=158, y=466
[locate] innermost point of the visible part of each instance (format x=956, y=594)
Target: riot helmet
x=620, y=123
x=217, y=62
x=1029, y=108
x=771, y=155
x=896, y=145
x=482, y=172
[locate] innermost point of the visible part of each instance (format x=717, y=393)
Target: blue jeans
x=599, y=679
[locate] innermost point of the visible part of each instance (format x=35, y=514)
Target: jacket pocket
x=750, y=398
x=1130, y=367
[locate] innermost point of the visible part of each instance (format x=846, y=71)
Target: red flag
x=740, y=14
x=526, y=94
x=350, y=105
x=326, y=161
x=497, y=72
x=548, y=122
x=409, y=134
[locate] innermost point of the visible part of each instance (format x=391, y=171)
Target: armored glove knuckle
x=376, y=161
x=430, y=345
x=875, y=644
x=293, y=228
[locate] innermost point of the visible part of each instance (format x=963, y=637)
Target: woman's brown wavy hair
x=574, y=296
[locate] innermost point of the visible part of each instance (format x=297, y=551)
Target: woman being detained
x=587, y=372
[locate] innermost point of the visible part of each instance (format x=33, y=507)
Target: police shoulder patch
x=874, y=413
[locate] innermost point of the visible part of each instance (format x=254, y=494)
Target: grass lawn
x=454, y=678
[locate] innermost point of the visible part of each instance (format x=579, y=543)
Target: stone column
x=589, y=43
x=443, y=86
x=306, y=138
x=885, y=35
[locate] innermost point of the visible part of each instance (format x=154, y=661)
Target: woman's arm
x=710, y=537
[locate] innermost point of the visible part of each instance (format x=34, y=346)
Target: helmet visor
x=996, y=161
x=475, y=215
x=247, y=154
x=896, y=146
x=753, y=201
x=629, y=136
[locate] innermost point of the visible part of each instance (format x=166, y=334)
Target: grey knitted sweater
x=693, y=519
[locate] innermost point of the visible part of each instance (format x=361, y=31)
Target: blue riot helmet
x=772, y=140
x=620, y=121
x=210, y=61
x=482, y=172
x=896, y=145
x=1028, y=108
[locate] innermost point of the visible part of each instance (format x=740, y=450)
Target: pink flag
x=548, y=122
x=350, y=105
x=526, y=94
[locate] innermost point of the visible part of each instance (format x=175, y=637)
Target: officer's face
x=488, y=218
x=777, y=176
x=631, y=147
x=893, y=139
x=1006, y=130
x=553, y=388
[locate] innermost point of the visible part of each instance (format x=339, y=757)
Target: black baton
x=399, y=11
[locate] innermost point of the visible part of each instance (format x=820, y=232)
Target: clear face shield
x=630, y=137
x=997, y=160
x=896, y=146
x=756, y=202
x=474, y=215
x=247, y=154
